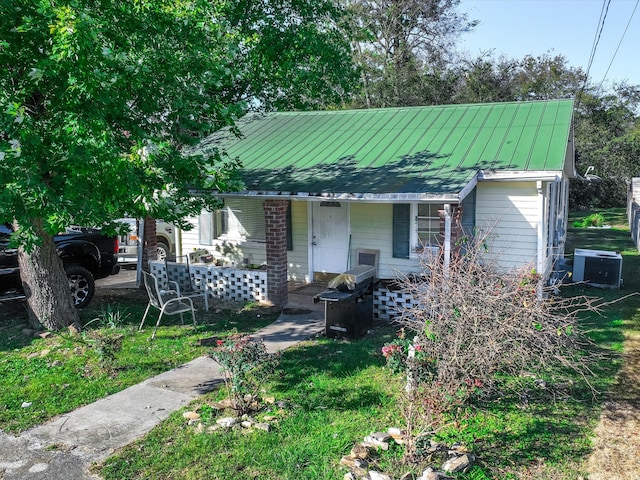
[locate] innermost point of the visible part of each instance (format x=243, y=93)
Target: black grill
x=348, y=303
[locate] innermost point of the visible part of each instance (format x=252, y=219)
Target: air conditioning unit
x=597, y=268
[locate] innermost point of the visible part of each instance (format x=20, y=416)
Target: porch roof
x=434, y=152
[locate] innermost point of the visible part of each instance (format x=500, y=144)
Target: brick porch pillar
x=275, y=218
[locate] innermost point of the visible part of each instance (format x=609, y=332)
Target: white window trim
x=238, y=241
x=413, y=236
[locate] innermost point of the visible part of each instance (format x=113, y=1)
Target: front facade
x=400, y=182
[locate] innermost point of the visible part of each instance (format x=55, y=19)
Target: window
x=427, y=224
x=212, y=225
x=245, y=219
x=241, y=220
x=415, y=226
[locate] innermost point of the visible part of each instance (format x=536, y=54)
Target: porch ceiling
x=416, y=151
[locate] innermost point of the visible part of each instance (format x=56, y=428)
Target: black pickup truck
x=87, y=255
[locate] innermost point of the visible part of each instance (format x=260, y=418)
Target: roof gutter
x=519, y=176
x=347, y=197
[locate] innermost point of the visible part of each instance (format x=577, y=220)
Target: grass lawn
x=334, y=393
x=60, y=373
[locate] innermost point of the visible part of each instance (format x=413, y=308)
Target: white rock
x=376, y=442
x=458, y=464
x=378, y=476
x=38, y=467
x=381, y=436
x=263, y=426
x=26, y=404
x=226, y=422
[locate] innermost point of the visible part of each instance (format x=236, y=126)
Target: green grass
x=60, y=373
x=337, y=392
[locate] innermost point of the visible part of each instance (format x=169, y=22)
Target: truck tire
x=162, y=250
x=82, y=285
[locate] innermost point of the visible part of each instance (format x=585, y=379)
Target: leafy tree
x=402, y=43
x=486, y=79
x=295, y=54
x=547, y=77
x=607, y=138
x=483, y=80
x=98, y=100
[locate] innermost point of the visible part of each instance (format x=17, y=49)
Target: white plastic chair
x=167, y=301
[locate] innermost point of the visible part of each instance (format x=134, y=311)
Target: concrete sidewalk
x=65, y=447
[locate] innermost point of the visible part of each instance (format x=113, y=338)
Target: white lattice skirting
x=224, y=283
x=388, y=304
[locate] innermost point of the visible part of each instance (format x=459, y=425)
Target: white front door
x=330, y=236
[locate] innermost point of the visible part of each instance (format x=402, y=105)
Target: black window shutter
x=469, y=213
x=401, y=225
x=289, y=228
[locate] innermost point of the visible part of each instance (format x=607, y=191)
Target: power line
x=596, y=40
x=599, y=34
x=619, y=43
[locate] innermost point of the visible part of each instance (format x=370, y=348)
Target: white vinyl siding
x=371, y=228
x=511, y=212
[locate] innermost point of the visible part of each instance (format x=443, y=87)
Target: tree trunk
x=149, y=243
x=45, y=285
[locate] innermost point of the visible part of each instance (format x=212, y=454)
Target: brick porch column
x=275, y=219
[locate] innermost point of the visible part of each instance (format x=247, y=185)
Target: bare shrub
x=474, y=324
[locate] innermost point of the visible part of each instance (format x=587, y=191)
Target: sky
x=517, y=28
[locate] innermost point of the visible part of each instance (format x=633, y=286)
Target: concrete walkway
x=65, y=447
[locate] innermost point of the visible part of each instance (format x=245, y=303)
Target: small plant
x=246, y=365
x=593, y=220
x=109, y=318
x=395, y=353
x=106, y=345
x=105, y=341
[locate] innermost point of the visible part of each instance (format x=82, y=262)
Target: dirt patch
x=112, y=295
x=616, y=446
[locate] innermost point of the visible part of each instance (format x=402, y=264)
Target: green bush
x=593, y=220
x=246, y=365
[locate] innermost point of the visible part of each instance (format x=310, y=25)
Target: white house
x=322, y=185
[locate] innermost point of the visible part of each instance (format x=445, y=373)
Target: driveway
x=126, y=278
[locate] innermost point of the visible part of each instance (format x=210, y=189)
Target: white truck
x=165, y=239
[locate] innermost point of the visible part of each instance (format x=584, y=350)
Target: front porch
x=249, y=285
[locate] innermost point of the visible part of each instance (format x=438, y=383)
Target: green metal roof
x=427, y=152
